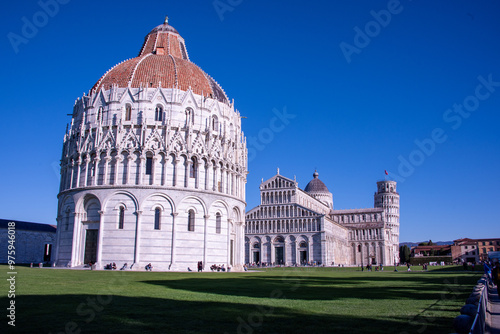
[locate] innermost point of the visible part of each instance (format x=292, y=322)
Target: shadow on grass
x=120, y=314
x=399, y=287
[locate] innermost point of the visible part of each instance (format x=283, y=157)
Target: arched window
x=157, y=218
x=128, y=112
x=121, y=217
x=218, y=222
x=303, y=244
x=215, y=123
x=192, y=168
x=158, y=113
x=191, y=220
x=149, y=165
x=189, y=116
x=359, y=248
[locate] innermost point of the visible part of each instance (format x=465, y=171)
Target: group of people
x=149, y=267
x=110, y=266
x=369, y=267
x=215, y=267
x=492, y=269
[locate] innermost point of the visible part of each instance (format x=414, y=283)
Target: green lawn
x=315, y=300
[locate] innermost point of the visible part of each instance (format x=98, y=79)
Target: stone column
x=59, y=220
x=137, y=238
x=85, y=178
x=208, y=176
x=105, y=180
x=220, y=175
x=118, y=165
x=228, y=257
x=96, y=170
x=215, y=183
x=187, y=173
x=273, y=252
x=129, y=164
x=205, y=241
x=80, y=245
x=153, y=169
x=285, y=253
x=309, y=244
x=142, y=169
x=76, y=242
x=172, y=254
x=241, y=236
x=72, y=168
x=176, y=172
x=324, y=249
x=79, y=164
x=197, y=175
x=101, y=237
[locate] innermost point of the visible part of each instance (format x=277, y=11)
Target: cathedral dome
x=316, y=185
x=162, y=61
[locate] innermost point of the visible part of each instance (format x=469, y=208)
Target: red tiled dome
x=163, y=60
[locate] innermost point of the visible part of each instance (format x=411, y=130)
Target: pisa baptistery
x=153, y=167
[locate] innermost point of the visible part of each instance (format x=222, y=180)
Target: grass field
x=315, y=300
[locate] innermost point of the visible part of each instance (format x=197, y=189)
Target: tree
x=404, y=254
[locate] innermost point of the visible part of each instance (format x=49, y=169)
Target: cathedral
x=153, y=167
x=292, y=226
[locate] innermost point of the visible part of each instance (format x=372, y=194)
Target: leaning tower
x=387, y=198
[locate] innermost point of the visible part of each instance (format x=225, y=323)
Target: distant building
x=465, y=250
x=33, y=242
x=487, y=245
x=474, y=250
x=294, y=226
x=434, y=250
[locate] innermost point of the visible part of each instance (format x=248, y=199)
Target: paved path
x=493, y=312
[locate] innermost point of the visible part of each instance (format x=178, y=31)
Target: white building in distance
x=153, y=167
x=294, y=226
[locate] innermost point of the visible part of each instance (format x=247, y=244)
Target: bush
x=418, y=261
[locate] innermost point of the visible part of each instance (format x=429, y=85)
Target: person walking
x=495, y=273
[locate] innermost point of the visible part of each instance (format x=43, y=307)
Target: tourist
x=200, y=266
x=495, y=273
x=124, y=266
x=408, y=265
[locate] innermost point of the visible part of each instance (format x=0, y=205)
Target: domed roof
x=316, y=185
x=163, y=61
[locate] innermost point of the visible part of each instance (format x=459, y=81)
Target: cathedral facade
x=292, y=226
x=153, y=167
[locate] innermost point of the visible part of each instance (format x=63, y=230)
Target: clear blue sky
x=359, y=101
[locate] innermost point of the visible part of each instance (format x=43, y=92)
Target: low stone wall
x=473, y=312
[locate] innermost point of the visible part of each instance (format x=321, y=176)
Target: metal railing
x=479, y=324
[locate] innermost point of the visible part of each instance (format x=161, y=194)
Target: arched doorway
x=256, y=253
x=303, y=258
x=279, y=250
x=89, y=236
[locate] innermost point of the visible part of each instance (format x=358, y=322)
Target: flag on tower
x=386, y=172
